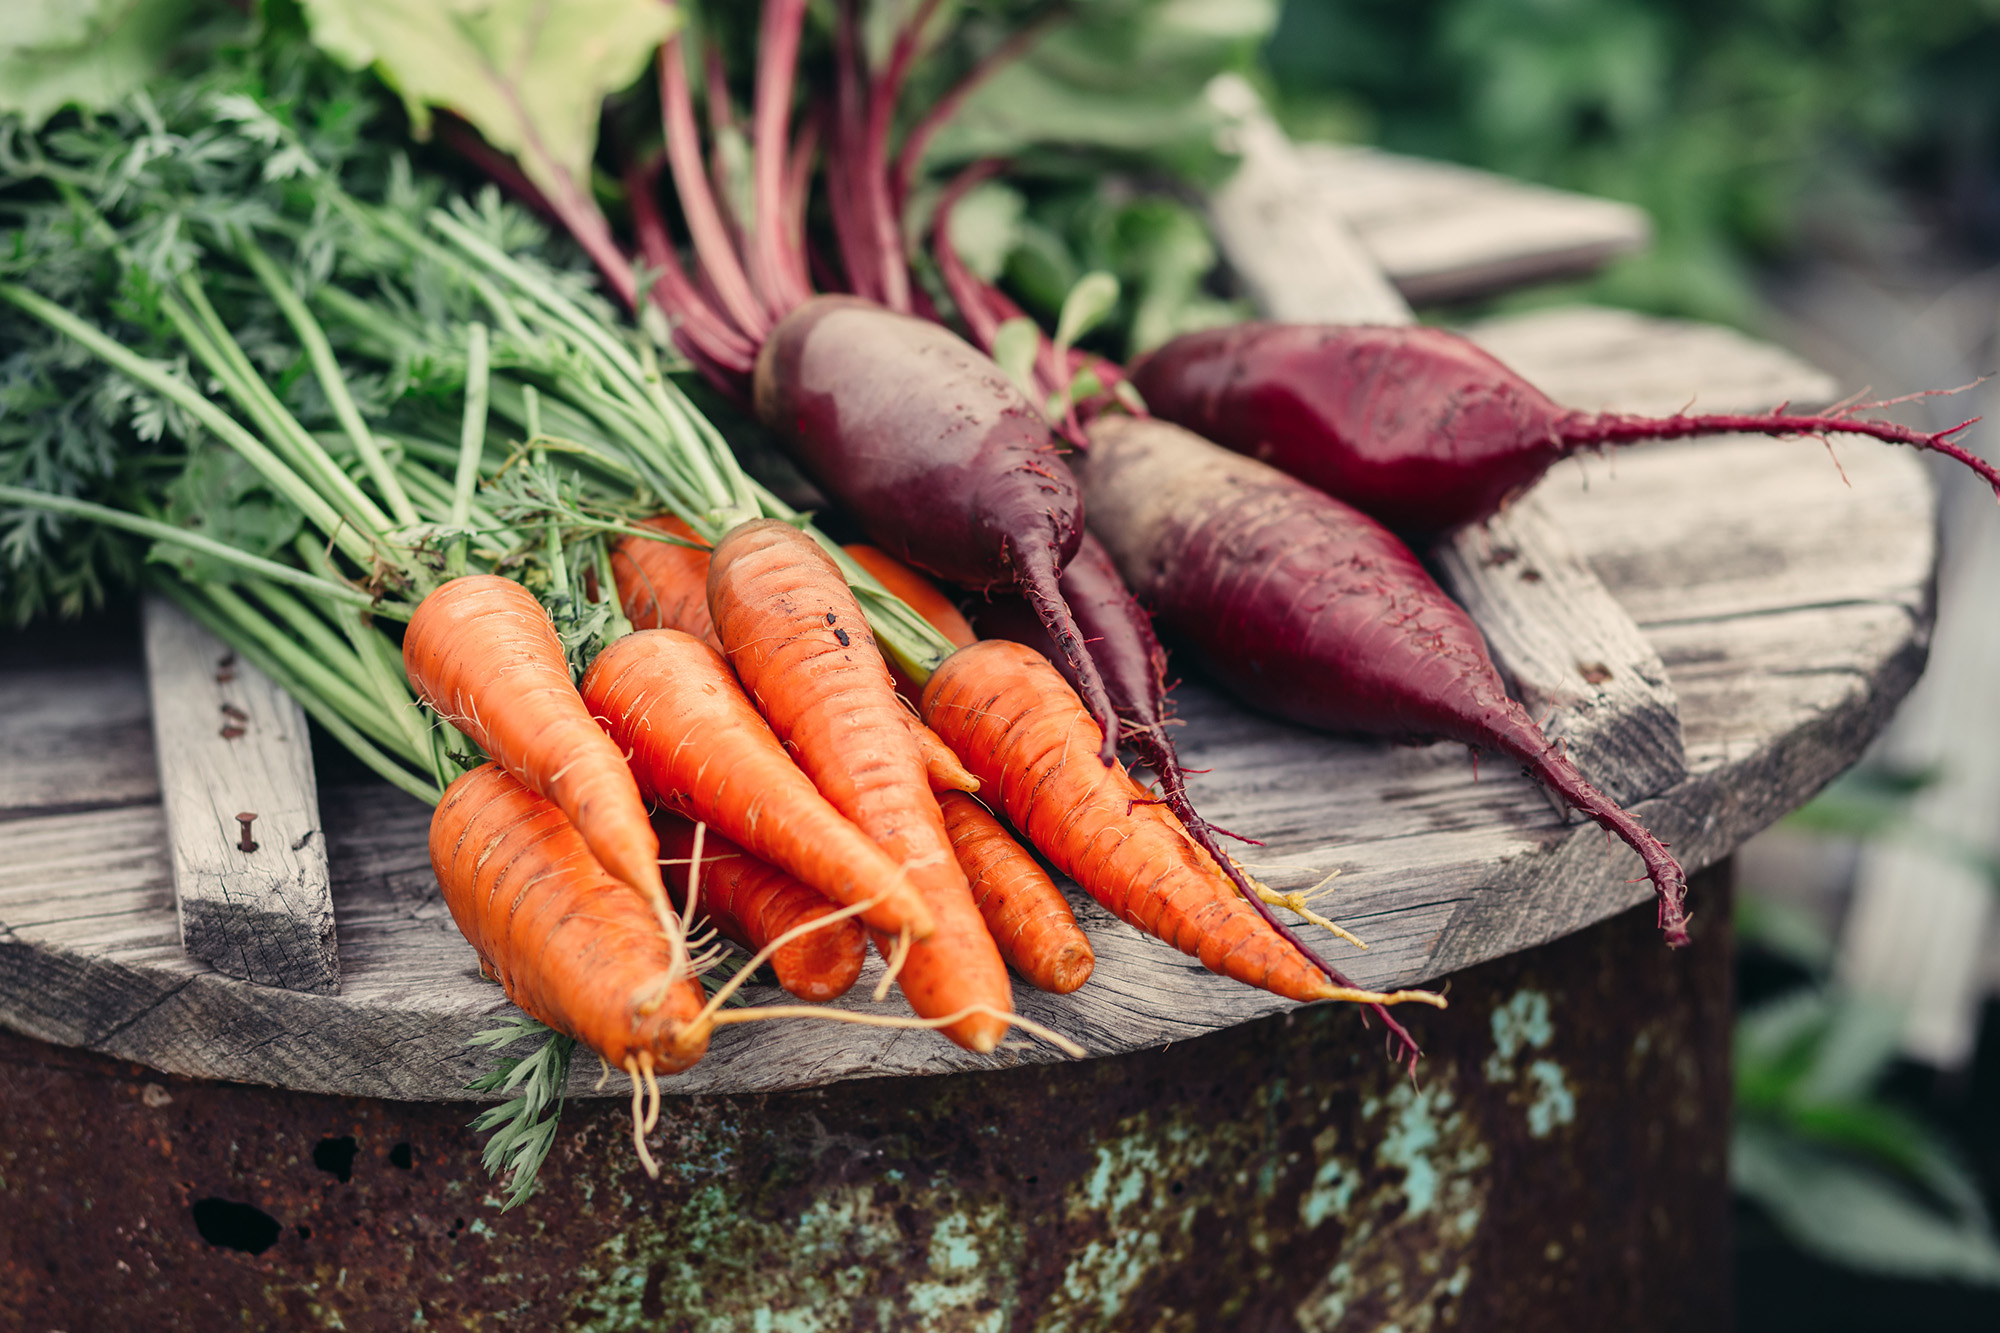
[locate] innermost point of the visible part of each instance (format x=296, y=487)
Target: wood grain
x=254, y=900
x=1442, y=232
x=1579, y=666
x=1779, y=691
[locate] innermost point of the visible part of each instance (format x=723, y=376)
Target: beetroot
x=939, y=456
x=928, y=444
x=1416, y=426
x=1308, y=609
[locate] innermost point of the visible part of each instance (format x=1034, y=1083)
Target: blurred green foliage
x=1737, y=124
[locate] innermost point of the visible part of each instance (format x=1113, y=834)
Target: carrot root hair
x=644, y=1114
x=1010, y=1019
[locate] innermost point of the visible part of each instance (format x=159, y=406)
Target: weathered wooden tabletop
x=1782, y=602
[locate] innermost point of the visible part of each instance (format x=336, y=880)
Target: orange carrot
x=922, y=595
x=798, y=641
x=699, y=747
x=1034, y=746
x=570, y=944
x=1027, y=914
x=483, y=653
x=753, y=902
x=664, y=586
x=944, y=770
x=947, y=772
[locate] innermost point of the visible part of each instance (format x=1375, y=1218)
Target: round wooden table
x=1564, y=1141
x=1714, y=629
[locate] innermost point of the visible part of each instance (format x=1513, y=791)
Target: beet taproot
x=1305, y=608
x=1420, y=427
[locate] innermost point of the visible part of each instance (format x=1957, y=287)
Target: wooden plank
x=242, y=811
x=1293, y=255
x=1596, y=679
x=79, y=738
x=1443, y=232
x=1599, y=359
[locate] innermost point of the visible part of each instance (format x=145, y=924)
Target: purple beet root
x=1418, y=427
x=935, y=452
x=1308, y=609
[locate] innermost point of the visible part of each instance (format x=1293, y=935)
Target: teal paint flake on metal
x=1407, y=1144
x=1519, y=1024
x=1554, y=1103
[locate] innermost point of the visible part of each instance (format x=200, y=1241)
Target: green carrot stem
x=321, y=712
x=281, y=477
x=331, y=381
x=471, y=440
x=342, y=593
x=381, y=668
x=203, y=331
x=607, y=588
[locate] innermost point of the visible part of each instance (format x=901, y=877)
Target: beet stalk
x=1308, y=609
x=1420, y=427
x=939, y=456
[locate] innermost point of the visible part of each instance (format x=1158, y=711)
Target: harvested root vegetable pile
x=383, y=439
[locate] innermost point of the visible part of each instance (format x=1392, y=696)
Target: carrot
x=699, y=747
x=798, y=641
x=664, y=586
x=922, y=595
x=752, y=903
x=482, y=652
x=568, y=943
x=1027, y=914
x=1031, y=742
x=945, y=770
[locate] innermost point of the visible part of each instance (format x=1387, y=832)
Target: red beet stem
x=966, y=290
x=698, y=329
x=777, y=58
x=911, y=156
x=884, y=212
x=1584, y=430
x=847, y=195
x=711, y=235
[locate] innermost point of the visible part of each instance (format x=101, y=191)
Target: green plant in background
x=1843, y=1172
x=1731, y=122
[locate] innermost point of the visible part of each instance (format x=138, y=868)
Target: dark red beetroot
x=1305, y=608
x=940, y=457
x=927, y=443
x=1416, y=426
